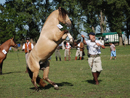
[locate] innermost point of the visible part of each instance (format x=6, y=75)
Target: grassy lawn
x=73, y=77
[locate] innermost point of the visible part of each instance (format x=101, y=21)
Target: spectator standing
x=112, y=50
x=27, y=47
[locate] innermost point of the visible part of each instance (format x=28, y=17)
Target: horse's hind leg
x=45, y=76
x=35, y=74
x=1, y=67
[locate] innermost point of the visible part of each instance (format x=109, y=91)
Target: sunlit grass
x=73, y=77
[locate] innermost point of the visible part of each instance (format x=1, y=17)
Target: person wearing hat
x=27, y=47
x=94, y=60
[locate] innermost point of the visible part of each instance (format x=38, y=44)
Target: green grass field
x=73, y=77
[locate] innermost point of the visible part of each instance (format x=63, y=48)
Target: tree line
x=25, y=18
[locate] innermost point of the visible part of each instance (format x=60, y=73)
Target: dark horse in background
x=4, y=48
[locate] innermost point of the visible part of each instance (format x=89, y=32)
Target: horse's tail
x=38, y=80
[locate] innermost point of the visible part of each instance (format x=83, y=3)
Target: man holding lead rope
x=94, y=60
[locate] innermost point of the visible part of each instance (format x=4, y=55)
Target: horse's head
x=12, y=43
x=63, y=17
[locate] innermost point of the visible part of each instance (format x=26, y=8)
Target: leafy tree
x=127, y=17
x=91, y=12
x=24, y=18
x=113, y=10
x=7, y=29
x=27, y=17
x=116, y=18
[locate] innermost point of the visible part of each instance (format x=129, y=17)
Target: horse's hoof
x=37, y=89
x=56, y=87
x=0, y=73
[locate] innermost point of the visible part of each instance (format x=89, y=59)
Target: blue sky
x=2, y=1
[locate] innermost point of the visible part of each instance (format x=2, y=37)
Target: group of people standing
x=93, y=45
x=79, y=52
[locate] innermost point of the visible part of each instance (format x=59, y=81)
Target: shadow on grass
x=92, y=82
x=49, y=85
x=11, y=72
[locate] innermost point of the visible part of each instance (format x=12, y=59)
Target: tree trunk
x=101, y=22
x=128, y=38
x=127, y=31
x=105, y=21
x=93, y=29
x=120, y=41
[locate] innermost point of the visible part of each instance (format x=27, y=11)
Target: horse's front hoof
x=56, y=87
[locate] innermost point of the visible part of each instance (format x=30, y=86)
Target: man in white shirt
x=94, y=60
x=27, y=47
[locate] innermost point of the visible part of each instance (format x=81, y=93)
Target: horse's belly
x=43, y=52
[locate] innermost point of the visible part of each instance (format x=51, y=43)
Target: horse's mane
x=63, y=12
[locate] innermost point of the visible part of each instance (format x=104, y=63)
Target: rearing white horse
x=50, y=37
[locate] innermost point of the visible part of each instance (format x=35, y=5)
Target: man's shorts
x=97, y=65
x=113, y=53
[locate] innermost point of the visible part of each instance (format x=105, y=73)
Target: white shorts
x=66, y=52
x=97, y=65
x=78, y=52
